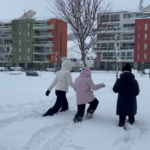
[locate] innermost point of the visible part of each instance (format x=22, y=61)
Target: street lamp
x=60, y=49
x=108, y=55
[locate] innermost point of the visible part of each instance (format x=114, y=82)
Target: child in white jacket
x=62, y=81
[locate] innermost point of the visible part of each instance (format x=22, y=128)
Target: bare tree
x=117, y=59
x=82, y=17
x=6, y=55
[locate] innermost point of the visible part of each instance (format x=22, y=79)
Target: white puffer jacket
x=63, y=77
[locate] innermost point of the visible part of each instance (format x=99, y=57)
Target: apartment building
x=35, y=42
x=124, y=24
x=142, y=43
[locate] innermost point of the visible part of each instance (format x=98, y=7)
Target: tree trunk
x=83, y=59
x=116, y=70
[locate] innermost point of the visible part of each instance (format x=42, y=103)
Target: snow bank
x=15, y=72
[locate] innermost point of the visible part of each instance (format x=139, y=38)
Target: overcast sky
x=10, y=9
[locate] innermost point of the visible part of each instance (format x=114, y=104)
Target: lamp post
x=108, y=55
x=60, y=49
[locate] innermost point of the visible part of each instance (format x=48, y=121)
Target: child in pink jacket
x=83, y=85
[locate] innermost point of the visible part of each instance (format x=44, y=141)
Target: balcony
x=112, y=48
x=43, y=52
x=127, y=48
x=116, y=29
x=122, y=58
x=43, y=35
x=104, y=20
x=115, y=20
x=112, y=38
x=5, y=28
x=43, y=43
x=132, y=17
x=104, y=48
x=5, y=44
x=42, y=26
x=126, y=57
x=5, y=36
x=41, y=60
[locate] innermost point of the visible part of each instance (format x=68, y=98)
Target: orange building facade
x=59, y=40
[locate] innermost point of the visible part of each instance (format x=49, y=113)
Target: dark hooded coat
x=127, y=88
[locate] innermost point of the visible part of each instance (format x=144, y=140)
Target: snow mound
x=15, y=73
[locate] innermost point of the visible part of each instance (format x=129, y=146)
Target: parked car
x=3, y=69
x=16, y=68
x=50, y=69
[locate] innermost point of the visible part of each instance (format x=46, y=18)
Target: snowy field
x=23, y=101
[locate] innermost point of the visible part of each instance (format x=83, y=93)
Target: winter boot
x=62, y=109
x=121, y=124
x=77, y=119
x=48, y=113
x=89, y=114
x=131, y=119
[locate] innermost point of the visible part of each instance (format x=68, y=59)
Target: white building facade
x=123, y=24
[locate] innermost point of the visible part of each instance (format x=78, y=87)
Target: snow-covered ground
x=23, y=101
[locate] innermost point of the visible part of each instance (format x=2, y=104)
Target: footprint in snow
x=133, y=134
x=52, y=137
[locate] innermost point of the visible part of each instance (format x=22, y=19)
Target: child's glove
x=47, y=92
x=103, y=84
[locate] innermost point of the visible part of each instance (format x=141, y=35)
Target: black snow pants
x=61, y=103
x=91, y=109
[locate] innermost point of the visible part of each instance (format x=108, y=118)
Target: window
x=19, y=58
x=104, y=18
x=138, y=36
x=28, y=25
x=19, y=25
x=19, y=49
x=145, y=26
x=28, y=33
x=103, y=46
x=19, y=42
x=28, y=50
x=138, y=56
x=139, y=26
x=52, y=58
x=145, y=46
x=28, y=42
x=138, y=46
x=115, y=18
x=145, y=36
x=98, y=44
x=28, y=58
x=19, y=34
x=23, y=42
x=145, y=56
x=129, y=55
x=123, y=55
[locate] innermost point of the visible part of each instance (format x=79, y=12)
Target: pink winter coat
x=83, y=85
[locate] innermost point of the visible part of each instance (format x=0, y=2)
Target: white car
x=16, y=68
x=50, y=69
x=3, y=69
